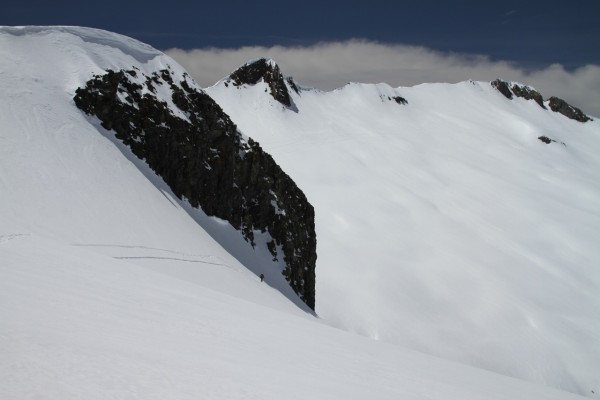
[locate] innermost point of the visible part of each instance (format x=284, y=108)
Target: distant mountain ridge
x=554, y=103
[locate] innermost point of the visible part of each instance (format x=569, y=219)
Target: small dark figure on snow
x=262, y=277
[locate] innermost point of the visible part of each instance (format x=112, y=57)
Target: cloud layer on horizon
x=329, y=65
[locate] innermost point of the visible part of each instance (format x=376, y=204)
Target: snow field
x=445, y=225
x=77, y=324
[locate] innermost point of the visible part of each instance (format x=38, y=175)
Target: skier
x=262, y=277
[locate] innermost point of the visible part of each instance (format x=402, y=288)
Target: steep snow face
x=444, y=224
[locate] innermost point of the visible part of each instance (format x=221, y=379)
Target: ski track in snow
x=189, y=257
x=142, y=247
x=168, y=258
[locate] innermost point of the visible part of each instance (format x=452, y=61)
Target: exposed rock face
x=503, y=88
x=192, y=144
x=561, y=106
x=293, y=84
x=267, y=70
x=528, y=93
x=547, y=140
x=400, y=100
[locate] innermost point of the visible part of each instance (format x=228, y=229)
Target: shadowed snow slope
x=110, y=288
x=444, y=224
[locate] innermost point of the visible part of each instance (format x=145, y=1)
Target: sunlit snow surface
x=109, y=288
x=445, y=225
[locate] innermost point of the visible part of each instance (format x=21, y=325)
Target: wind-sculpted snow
x=138, y=50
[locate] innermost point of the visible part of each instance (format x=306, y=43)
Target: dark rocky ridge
x=267, y=70
x=528, y=93
x=561, y=106
x=503, y=88
x=201, y=155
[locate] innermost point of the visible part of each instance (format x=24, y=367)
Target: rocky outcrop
x=547, y=140
x=187, y=139
x=290, y=81
x=398, y=99
x=528, y=93
x=561, y=106
x=268, y=71
x=503, y=88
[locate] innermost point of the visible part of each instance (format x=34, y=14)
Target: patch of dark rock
x=205, y=160
x=503, y=88
x=520, y=91
x=556, y=104
x=560, y=106
x=292, y=84
x=252, y=73
x=547, y=140
x=397, y=99
x=400, y=100
x=528, y=94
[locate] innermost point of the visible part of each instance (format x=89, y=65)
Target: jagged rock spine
x=195, y=147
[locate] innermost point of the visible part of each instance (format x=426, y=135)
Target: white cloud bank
x=327, y=66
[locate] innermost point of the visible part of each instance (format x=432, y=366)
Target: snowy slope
x=65, y=177
x=109, y=287
x=445, y=225
x=81, y=325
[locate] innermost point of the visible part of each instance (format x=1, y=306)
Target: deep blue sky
x=531, y=33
